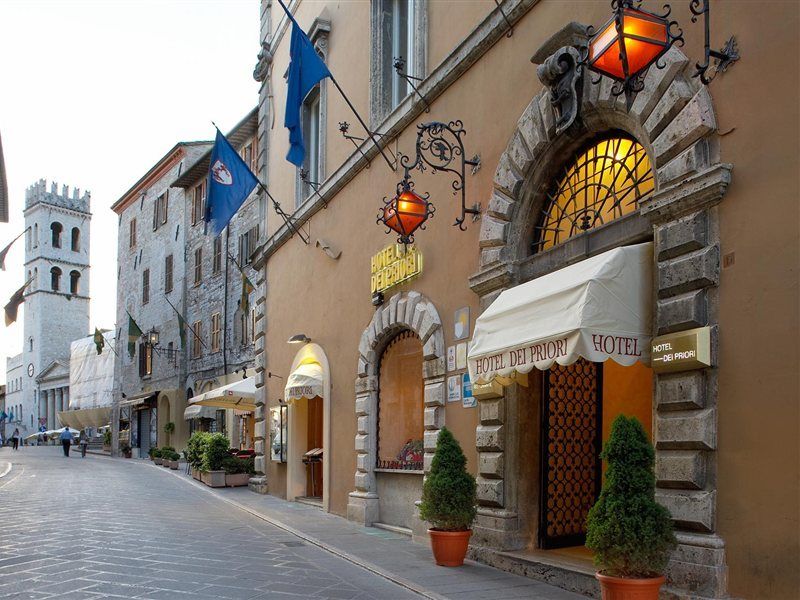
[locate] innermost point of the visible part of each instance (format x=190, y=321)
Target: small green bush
x=215, y=451
x=155, y=453
x=169, y=427
x=448, y=494
x=107, y=437
x=195, y=449
x=233, y=465
x=629, y=532
x=169, y=454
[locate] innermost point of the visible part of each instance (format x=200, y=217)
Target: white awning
x=239, y=394
x=304, y=382
x=196, y=411
x=599, y=308
x=85, y=417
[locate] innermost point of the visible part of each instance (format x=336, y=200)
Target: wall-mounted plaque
x=451, y=358
x=454, y=388
x=681, y=351
x=461, y=323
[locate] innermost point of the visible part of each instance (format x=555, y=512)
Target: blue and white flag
x=230, y=182
x=306, y=70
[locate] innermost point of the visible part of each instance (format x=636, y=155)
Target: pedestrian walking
x=84, y=442
x=15, y=439
x=66, y=440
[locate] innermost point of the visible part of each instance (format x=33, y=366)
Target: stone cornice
x=692, y=194
x=467, y=53
x=56, y=208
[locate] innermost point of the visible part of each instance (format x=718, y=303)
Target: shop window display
x=400, y=405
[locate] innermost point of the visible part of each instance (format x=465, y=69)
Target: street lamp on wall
x=152, y=337
x=633, y=39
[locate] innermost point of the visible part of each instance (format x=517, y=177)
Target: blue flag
x=306, y=70
x=230, y=182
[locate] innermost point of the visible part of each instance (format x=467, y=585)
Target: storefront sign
x=682, y=351
x=394, y=265
x=468, y=400
x=454, y=388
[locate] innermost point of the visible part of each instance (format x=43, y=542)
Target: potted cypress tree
x=629, y=532
x=449, y=502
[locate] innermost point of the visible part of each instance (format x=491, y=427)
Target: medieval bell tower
x=57, y=299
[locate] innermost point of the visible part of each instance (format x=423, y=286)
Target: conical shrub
x=448, y=494
x=629, y=532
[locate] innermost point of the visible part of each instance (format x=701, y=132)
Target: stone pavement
x=110, y=528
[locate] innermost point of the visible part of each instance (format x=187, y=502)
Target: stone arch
x=673, y=118
x=403, y=311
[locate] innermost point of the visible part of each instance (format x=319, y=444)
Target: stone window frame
x=319, y=34
x=403, y=311
x=673, y=118
x=380, y=99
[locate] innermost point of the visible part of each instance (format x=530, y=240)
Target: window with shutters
x=197, y=335
x=145, y=359
x=198, y=202
x=132, y=233
x=145, y=286
x=215, y=332
x=160, y=210
x=168, y=274
x=216, y=263
x=198, y=266
x=247, y=245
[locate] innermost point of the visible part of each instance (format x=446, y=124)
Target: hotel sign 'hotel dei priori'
x=516, y=220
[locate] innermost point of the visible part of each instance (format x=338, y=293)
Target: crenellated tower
x=57, y=300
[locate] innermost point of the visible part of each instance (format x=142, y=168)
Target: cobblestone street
x=99, y=528
x=102, y=528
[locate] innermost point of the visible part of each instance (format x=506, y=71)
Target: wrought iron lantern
x=439, y=147
x=634, y=39
x=406, y=212
x=152, y=337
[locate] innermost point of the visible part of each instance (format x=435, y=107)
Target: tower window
x=76, y=239
x=55, y=230
x=55, y=279
x=74, y=280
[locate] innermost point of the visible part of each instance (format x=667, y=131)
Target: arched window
x=76, y=239
x=55, y=279
x=55, y=230
x=74, y=281
x=605, y=181
x=401, y=404
x=30, y=344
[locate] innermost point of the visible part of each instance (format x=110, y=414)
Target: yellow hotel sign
x=394, y=265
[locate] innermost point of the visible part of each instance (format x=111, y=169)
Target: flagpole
x=363, y=124
x=197, y=337
x=5, y=250
x=286, y=218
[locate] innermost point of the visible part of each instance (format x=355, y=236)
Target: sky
x=93, y=93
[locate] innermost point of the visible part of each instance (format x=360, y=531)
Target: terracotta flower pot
x=620, y=588
x=449, y=547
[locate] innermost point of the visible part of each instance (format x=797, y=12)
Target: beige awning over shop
x=137, y=399
x=239, y=394
x=196, y=411
x=85, y=417
x=599, y=308
x=304, y=382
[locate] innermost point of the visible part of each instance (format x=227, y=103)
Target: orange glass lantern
x=631, y=41
x=406, y=212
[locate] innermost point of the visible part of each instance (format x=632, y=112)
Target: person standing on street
x=66, y=440
x=15, y=439
x=84, y=442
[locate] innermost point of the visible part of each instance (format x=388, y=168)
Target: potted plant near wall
x=215, y=451
x=629, y=532
x=449, y=502
x=107, y=440
x=166, y=456
x=169, y=429
x=173, y=459
x=238, y=470
x=126, y=450
x=195, y=448
x=156, y=455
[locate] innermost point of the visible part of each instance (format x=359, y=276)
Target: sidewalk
x=390, y=555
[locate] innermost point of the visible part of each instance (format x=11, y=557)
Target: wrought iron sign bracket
x=314, y=185
x=724, y=57
x=399, y=64
x=440, y=148
x=344, y=129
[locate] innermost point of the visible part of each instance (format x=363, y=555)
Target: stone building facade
x=151, y=274
x=710, y=241
x=214, y=297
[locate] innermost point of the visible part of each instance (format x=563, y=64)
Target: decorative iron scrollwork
x=723, y=58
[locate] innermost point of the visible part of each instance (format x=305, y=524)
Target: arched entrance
x=309, y=425
x=403, y=312
x=673, y=121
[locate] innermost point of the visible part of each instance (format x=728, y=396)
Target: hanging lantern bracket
x=723, y=58
x=440, y=148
